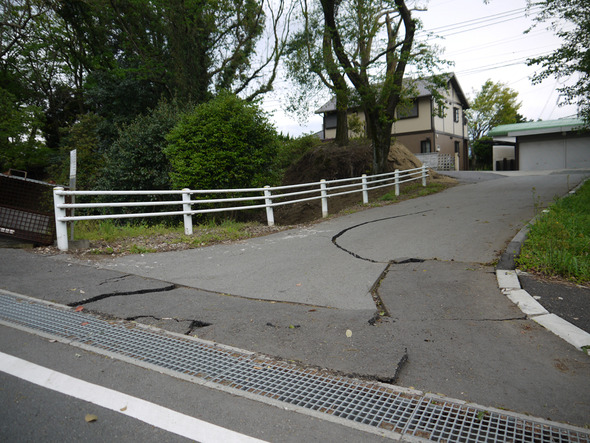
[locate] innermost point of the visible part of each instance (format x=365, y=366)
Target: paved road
x=428, y=262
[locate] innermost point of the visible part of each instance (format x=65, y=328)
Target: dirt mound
x=401, y=158
x=331, y=162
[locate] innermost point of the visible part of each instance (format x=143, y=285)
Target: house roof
x=539, y=127
x=423, y=91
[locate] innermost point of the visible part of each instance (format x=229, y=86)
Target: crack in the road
x=393, y=380
x=195, y=324
x=114, y=279
x=118, y=294
x=355, y=255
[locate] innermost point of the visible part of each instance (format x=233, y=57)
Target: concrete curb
x=509, y=284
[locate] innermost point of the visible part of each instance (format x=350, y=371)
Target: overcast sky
x=484, y=42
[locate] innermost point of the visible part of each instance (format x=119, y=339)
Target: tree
x=224, y=143
x=570, y=19
x=495, y=104
x=355, y=28
x=311, y=64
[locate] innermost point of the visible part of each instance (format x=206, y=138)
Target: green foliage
x=63, y=58
x=356, y=126
x=110, y=230
x=20, y=124
x=225, y=143
x=495, y=104
x=136, y=160
x=558, y=244
x=289, y=151
x=82, y=137
x=570, y=20
x=374, y=42
x=482, y=150
x=413, y=190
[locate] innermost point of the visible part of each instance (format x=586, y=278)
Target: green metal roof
x=539, y=127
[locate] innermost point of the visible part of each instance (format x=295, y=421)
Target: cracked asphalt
x=414, y=283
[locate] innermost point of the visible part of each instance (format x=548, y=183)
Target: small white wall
x=500, y=153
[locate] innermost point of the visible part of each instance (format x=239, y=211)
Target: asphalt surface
x=404, y=294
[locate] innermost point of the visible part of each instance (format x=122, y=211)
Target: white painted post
x=456, y=161
x=270, y=216
x=424, y=175
x=324, y=193
x=365, y=192
x=188, y=218
x=396, y=176
x=61, y=227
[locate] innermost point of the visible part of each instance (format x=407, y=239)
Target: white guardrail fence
x=269, y=198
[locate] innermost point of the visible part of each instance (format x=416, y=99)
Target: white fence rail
x=268, y=198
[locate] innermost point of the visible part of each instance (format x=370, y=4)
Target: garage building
x=543, y=145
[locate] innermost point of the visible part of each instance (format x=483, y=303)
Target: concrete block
x=527, y=304
x=507, y=279
x=564, y=329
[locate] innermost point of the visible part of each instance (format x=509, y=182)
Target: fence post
x=270, y=216
x=365, y=192
x=396, y=181
x=61, y=227
x=324, y=193
x=188, y=218
x=456, y=161
x=424, y=175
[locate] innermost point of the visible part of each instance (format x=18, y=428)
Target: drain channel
x=377, y=406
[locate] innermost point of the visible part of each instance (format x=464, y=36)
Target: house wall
x=553, y=151
x=412, y=141
x=443, y=132
x=415, y=124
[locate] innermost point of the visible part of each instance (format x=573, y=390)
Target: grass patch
x=558, y=244
x=109, y=230
x=413, y=190
x=108, y=237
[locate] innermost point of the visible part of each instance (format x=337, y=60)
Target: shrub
x=136, y=160
x=225, y=143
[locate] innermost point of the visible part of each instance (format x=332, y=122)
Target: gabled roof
x=539, y=127
x=421, y=85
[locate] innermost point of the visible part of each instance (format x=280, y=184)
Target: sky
x=485, y=41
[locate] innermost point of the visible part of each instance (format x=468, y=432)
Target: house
x=543, y=145
x=419, y=126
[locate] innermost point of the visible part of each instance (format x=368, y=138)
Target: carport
x=544, y=145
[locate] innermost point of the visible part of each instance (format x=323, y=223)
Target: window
x=456, y=115
x=330, y=121
x=425, y=146
x=457, y=147
x=408, y=111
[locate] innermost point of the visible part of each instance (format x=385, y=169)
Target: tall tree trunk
x=380, y=134
x=340, y=88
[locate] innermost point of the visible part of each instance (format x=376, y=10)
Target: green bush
x=290, y=151
x=225, y=143
x=136, y=160
x=483, y=153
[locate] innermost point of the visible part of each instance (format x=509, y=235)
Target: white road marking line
x=137, y=408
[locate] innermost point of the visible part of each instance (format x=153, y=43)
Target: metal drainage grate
x=371, y=404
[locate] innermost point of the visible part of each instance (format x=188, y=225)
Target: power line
x=479, y=23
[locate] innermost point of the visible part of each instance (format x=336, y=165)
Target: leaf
x=123, y=409
x=79, y=308
x=84, y=323
x=348, y=333
x=90, y=418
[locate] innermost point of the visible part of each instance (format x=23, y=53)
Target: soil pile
x=331, y=162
